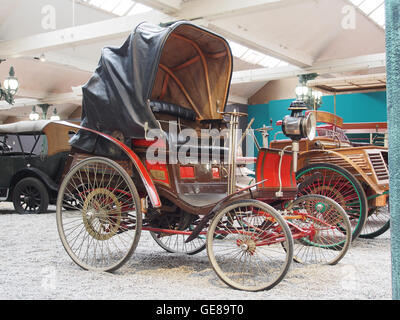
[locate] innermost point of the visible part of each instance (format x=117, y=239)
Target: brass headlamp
x=298, y=126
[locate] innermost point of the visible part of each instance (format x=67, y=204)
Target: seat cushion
x=172, y=109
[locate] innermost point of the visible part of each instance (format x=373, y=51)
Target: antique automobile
x=355, y=175
x=32, y=158
x=150, y=155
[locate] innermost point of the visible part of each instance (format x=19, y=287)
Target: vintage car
x=356, y=175
x=143, y=159
x=32, y=158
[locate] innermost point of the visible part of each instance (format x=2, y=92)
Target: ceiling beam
x=206, y=13
x=19, y=103
x=79, y=63
x=237, y=99
x=339, y=65
x=170, y=7
x=211, y=9
x=122, y=26
x=79, y=35
x=53, y=99
x=246, y=38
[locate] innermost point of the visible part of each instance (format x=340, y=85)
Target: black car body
x=33, y=155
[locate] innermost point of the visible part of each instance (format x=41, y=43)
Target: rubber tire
x=377, y=233
x=39, y=186
x=355, y=183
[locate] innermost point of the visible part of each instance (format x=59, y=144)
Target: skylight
x=118, y=7
x=374, y=9
x=254, y=57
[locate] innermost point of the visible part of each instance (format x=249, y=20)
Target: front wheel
x=249, y=245
x=102, y=226
x=321, y=230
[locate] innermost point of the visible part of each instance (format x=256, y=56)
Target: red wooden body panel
x=267, y=167
x=160, y=168
x=186, y=172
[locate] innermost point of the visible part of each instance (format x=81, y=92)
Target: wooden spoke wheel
x=249, y=245
x=321, y=229
x=99, y=218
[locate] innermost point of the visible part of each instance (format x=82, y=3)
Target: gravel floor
x=34, y=265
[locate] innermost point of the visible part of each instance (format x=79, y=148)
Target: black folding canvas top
x=182, y=64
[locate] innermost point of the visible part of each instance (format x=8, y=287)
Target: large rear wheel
x=101, y=228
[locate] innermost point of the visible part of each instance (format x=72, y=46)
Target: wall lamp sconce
x=45, y=107
x=55, y=116
x=33, y=116
x=311, y=98
x=10, y=86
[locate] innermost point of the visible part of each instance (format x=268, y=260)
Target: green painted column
x=393, y=105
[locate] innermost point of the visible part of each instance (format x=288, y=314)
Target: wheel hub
x=320, y=207
x=101, y=214
x=29, y=200
x=248, y=246
x=89, y=215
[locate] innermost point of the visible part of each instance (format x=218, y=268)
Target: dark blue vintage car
x=32, y=158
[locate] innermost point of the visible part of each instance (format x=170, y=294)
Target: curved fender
x=352, y=163
x=42, y=175
x=147, y=181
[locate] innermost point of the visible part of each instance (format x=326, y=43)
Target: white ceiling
x=306, y=35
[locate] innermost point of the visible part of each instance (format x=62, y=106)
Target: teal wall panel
x=359, y=107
